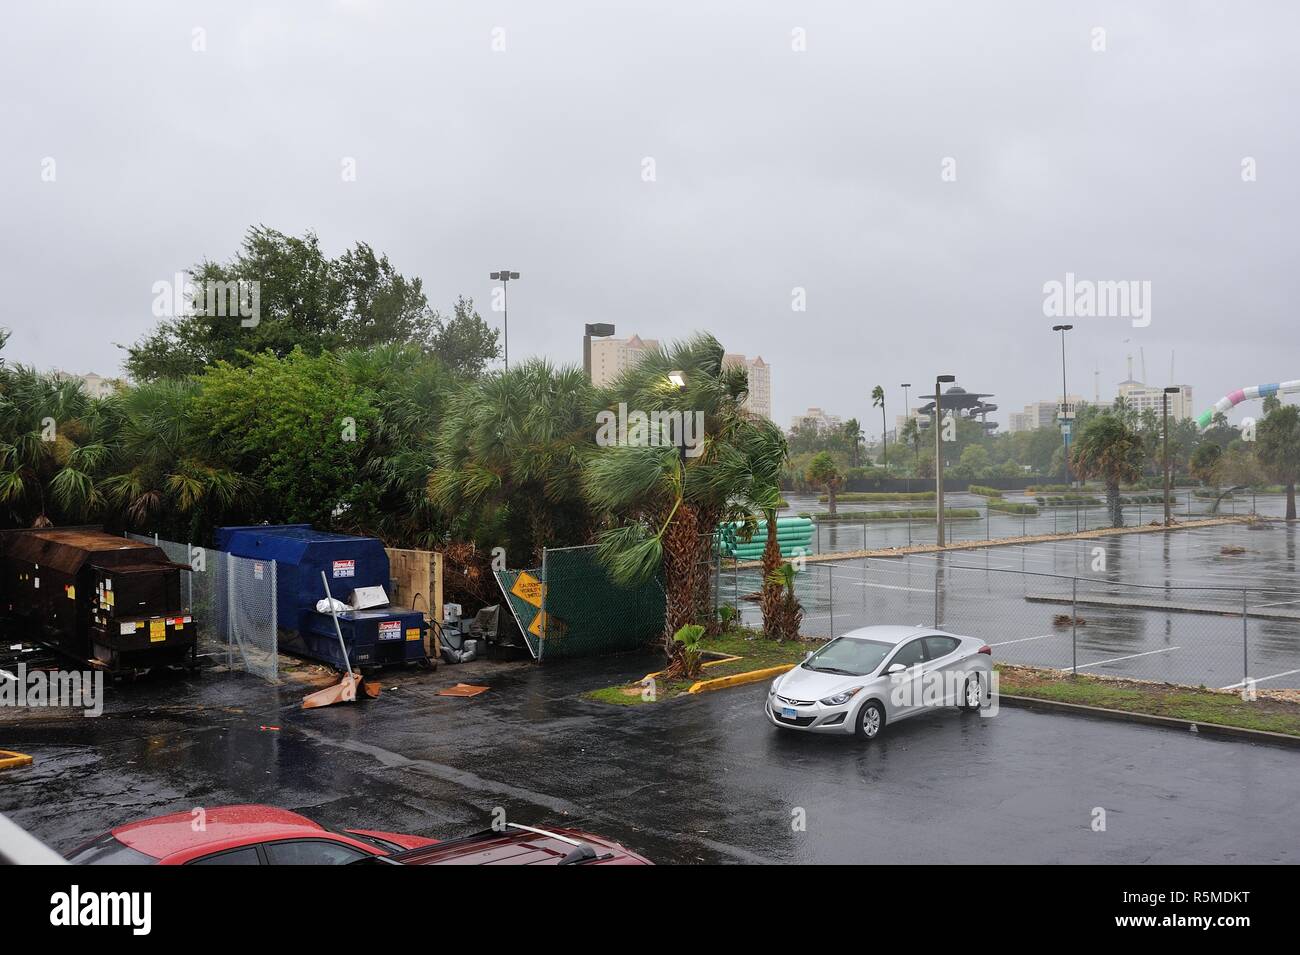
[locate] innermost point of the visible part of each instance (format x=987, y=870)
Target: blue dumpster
x=374, y=637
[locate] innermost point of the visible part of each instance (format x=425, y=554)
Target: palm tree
x=1110, y=450
x=664, y=506
x=165, y=469
x=824, y=472
x=510, y=451
x=853, y=429
x=750, y=467
x=1278, y=448
x=55, y=441
x=878, y=401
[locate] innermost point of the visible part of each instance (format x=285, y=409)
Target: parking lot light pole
x=677, y=379
x=937, y=425
x=1164, y=466
x=504, y=277
x=907, y=416
x=1065, y=402
x=598, y=330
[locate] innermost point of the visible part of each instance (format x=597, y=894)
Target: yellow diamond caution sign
x=528, y=588
x=544, y=626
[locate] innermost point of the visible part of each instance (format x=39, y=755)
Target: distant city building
x=96, y=386
x=759, y=400
x=1041, y=414
x=610, y=357
x=818, y=417
x=1141, y=397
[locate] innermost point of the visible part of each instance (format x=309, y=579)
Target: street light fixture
x=599, y=330
x=1164, y=466
x=937, y=425
x=504, y=277
x=1065, y=404
x=678, y=380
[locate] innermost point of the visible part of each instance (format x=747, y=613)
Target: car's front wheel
x=971, y=696
x=871, y=720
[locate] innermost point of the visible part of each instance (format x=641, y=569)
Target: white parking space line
x=1258, y=679
x=1007, y=643
x=919, y=590
x=1131, y=656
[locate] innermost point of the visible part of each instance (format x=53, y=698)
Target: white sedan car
x=873, y=676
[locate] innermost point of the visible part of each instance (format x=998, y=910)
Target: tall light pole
x=1164, y=413
x=1065, y=404
x=937, y=425
x=504, y=276
x=907, y=417
x=677, y=379
x=599, y=330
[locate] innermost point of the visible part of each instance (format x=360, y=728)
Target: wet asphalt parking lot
x=698, y=779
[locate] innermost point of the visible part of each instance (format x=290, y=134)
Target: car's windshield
x=849, y=656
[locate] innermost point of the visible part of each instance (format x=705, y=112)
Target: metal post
x=988, y=521
x=541, y=641
x=275, y=625
x=1074, y=625
x=936, y=593
x=1245, y=653
x=830, y=585
x=735, y=585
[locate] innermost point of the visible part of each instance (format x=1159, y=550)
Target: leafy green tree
x=825, y=473
x=1205, y=461
x=294, y=426
x=309, y=301
x=1110, y=450
x=464, y=342
x=408, y=390
x=1278, y=447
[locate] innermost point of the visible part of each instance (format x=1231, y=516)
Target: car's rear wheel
x=970, y=694
x=871, y=720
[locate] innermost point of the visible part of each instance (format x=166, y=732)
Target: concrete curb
x=1152, y=719
x=711, y=663
x=12, y=760
x=739, y=679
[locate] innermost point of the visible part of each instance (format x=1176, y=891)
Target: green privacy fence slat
x=588, y=614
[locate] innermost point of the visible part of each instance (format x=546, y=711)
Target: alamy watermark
x=184, y=298
x=656, y=429
x=66, y=689
x=1085, y=298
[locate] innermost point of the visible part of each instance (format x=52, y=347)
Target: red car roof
x=165, y=835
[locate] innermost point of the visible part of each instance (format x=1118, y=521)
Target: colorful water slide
x=1235, y=398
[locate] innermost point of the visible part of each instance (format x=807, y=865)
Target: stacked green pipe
x=792, y=534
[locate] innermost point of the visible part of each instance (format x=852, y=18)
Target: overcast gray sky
x=775, y=169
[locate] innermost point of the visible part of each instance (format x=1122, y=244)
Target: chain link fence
x=233, y=602
x=973, y=517
x=1217, y=636
x=570, y=607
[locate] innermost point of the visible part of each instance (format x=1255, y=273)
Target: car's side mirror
x=894, y=668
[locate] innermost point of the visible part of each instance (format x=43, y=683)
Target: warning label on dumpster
x=529, y=588
x=345, y=568
x=390, y=630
